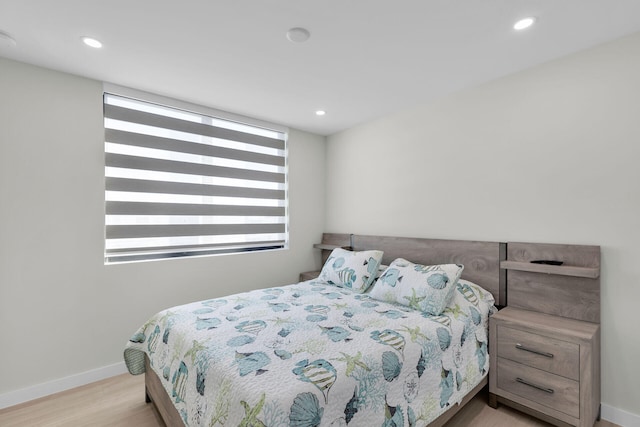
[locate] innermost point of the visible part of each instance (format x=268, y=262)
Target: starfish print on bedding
x=456, y=311
x=250, y=418
x=414, y=333
x=194, y=351
x=414, y=300
x=352, y=362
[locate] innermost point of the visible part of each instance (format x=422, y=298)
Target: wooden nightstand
x=545, y=365
x=308, y=275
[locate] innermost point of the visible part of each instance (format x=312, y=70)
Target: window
x=181, y=183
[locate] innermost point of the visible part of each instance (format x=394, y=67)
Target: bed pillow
x=475, y=303
x=470, y=297
x=353, y=270
x=427, y=288
x=381, y=269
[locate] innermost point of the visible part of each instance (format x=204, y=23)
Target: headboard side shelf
x=562, y=270
x=570, y=290
x=330, y=241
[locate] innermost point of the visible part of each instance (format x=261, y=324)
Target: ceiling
x=364, y=59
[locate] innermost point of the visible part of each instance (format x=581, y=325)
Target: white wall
x=551, y=154
x=62, y=311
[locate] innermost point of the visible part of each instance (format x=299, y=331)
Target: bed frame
x=481, y=265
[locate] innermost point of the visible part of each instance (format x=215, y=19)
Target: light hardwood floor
x=119, y=401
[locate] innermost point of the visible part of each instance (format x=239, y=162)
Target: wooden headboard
x=481, y=260
x=571, y=290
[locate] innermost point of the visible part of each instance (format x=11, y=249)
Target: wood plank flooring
x=116, y=401
x=119, y=402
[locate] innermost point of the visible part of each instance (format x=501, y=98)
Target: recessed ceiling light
x=298, y=35
x=7, y=40
x=524, y=23
x=91, y=42
x=320, y=113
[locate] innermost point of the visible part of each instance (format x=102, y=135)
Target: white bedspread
x=312, y=354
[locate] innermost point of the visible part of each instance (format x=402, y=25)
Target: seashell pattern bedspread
x=312, y=354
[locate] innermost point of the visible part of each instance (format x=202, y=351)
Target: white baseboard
x=41, y=390
x=619, y=416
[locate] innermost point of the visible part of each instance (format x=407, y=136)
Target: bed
x=317, y=354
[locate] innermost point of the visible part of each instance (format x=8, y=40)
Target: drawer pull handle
x=525, y=382
x=531, y=350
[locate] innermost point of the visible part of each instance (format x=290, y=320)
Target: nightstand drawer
x=553, y=391
x=549, y=354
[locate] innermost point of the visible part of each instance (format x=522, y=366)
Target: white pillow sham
x=355, y=270
x=427, y=288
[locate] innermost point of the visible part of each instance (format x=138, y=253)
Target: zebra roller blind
x=180, y=183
